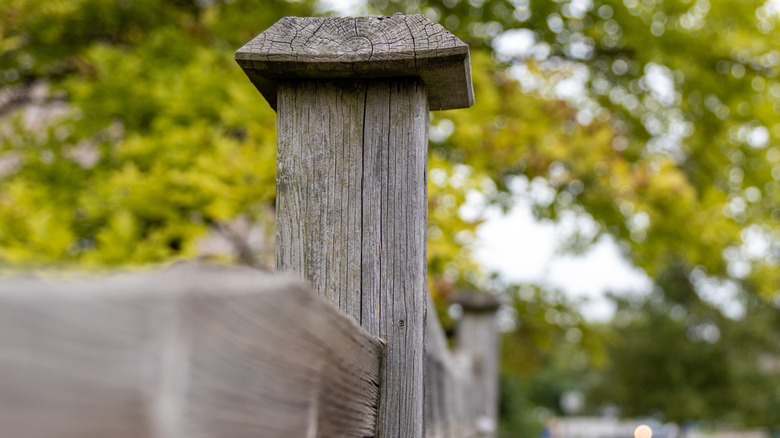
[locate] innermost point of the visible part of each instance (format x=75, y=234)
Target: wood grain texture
x=188, y=353
x=319, y=224
x=352, y=217
x=361, y=47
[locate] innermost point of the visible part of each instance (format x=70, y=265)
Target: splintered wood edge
x=361, y=48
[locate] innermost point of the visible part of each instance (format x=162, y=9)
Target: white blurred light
x=515, y=43
x=525, y=250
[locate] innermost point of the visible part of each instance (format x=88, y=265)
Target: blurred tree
x=657, y=118
x=128, y=130
x=548, y=350
x=674, y=353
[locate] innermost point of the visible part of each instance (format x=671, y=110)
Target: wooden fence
x=199, y=351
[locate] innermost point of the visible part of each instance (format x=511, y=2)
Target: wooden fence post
x=477, y=337
x=352, y=97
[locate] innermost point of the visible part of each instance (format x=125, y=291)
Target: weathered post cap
x=361, y=47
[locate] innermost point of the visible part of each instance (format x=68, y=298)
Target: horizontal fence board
x=196, y=351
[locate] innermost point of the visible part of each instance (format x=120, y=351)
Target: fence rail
x=195, y=351
x=204, y=351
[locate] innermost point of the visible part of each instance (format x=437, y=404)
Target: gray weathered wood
x=361, y=47
x=195, y=352
x=352, y=215
x=353, y=95
x=477, y=337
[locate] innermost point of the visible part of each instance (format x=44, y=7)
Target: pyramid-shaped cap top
x=361, y=47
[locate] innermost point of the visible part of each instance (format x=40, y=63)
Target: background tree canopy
x=129, y=136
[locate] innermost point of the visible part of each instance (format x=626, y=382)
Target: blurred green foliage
x=162, y=136
x=128, y=135
x=675, y=353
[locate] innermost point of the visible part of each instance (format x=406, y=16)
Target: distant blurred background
x=617, y=179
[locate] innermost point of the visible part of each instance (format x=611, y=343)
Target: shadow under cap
x=361, y=48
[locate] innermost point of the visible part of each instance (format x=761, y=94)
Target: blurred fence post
x=477, y=338
x=352, y=97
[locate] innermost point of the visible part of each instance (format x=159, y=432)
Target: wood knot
x=401, y=323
